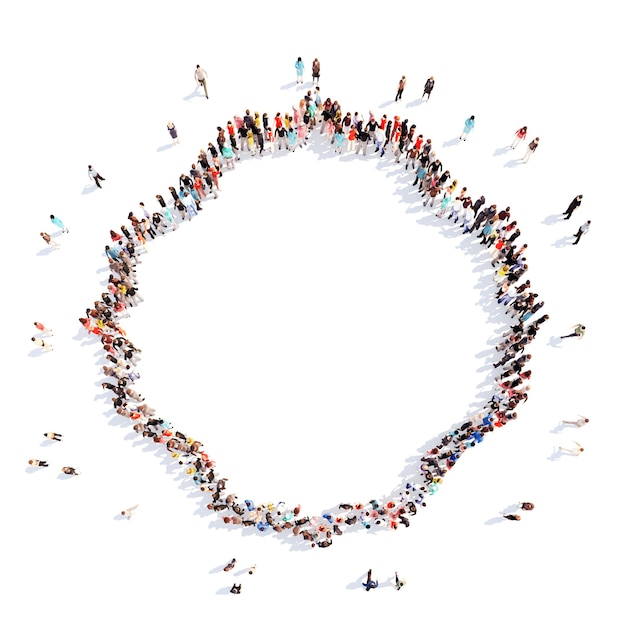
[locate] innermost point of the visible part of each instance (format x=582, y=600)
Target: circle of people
x=255, y=134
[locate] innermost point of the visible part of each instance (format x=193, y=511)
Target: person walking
x=428, y=88
x=200, y=76
x=369, y=583
x=129, y=512
x=93, y=175
x=526, y=506
x=173, y=133
x=581, y=231
x=520, y=135
x=401, y=86
x=513, y=518
x=40, y=327
x=53, y=436
x=532, y=146
x=70, y=471
x=579, y=331
x=230, y=565
x=399, y=582
x=236, y=589
x=42, y=344
x=299, y=70
x=573, y=205
x=573, y=451
x=468, y=128
x=316, y=71
x=579, y=422
x=57, y=222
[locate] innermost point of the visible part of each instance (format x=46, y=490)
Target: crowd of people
x=253, y=133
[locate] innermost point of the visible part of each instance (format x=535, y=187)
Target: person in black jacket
x=573, y=205
x=428, y=87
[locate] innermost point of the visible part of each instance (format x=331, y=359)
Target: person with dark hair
x=200, y=76
x=520, y=135
x=581, y=231
x=316, y=71
x=399, y=582
x=58, y=222
x=513, y=518
x=468, y=128
x=369, y=583
x=299, y=70
x=230, y=565
x=401, y=86
x=579, y=422
x=70, y=471
x=93, y=175
x=173, y=133
x=526, y=506
x=236, y=589
x=573, y=205
x=53, y=436
x=579, y=331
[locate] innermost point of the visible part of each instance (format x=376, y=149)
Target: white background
x=315, y=327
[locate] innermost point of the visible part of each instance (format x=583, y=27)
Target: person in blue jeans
x=369, y=583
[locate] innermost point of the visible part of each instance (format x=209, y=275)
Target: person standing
x=369, y=583
x=173, y=133
x=200, y=76
x=93, y=175
x=299, y=70
x=520, y=135
x=428, y=88
x=399, y=582
x=579, y=422
x=573, y=205
x=581, y=231
x=401, y=86
x=579, y=331
x=316, y=71
x=57, y=222
x=532, y=146
x=526, y=506
x=468, y=128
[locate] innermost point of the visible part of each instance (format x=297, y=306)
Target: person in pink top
x=520, y=135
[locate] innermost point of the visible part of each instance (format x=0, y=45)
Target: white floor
x=315, y=327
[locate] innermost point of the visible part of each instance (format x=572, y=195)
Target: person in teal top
x=299, y=70
x=57, y=222
x=468, y=128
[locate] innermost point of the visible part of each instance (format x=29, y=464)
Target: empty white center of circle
x=307, y=304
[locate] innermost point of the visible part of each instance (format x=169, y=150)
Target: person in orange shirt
x=43, y=329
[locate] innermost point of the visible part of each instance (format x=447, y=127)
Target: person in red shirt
x=520, y=135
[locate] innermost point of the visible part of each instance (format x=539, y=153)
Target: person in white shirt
x=579, y=422
x=200, y=76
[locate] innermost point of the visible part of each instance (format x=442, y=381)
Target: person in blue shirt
x=57, y=222
x=468, y=128
x=299, y=70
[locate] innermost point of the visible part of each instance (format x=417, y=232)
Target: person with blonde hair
x=173, y=133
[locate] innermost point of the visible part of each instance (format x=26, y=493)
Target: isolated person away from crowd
x=428, y=88
x=583, y=229
x=42, y=344
x=369, y=583
x=93, y=175
x=57, y=222
x=573, y=451
x=579, y=422
x=579, y=331
x=46, y=237
x=520, y=135
x=468, y=128
x=200, y=76
x=173, y=133
x=532, y=146
x=40, y=327
x=299, y=70
x=401, y=86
